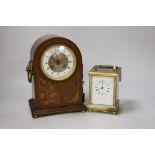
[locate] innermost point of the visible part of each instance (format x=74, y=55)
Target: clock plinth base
x=103, y=108
x=52, y=111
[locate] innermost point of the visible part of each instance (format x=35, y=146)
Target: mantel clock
x=56, y=72
x=103, y=88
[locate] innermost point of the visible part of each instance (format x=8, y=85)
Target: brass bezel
x=69, y=73
x=104, y=108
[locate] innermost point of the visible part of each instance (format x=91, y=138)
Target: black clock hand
x=98, y=89
x=102, y=85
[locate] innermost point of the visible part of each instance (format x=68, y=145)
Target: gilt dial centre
x=58, y=62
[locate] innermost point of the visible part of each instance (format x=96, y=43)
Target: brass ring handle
x=29, y=70
x=119, y=70
x=120, y=73
x=29, y=76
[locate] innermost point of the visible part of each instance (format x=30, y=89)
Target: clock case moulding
x=51, y=97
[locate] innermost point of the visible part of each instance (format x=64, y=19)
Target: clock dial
x=58, y=62
x=102, y=90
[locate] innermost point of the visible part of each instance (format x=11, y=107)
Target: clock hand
x=98, y=89
x=57, y=61
x=102, y=85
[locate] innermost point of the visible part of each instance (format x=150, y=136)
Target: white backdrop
x=132, y=48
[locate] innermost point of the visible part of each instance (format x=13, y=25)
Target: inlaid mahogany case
x=50, y=96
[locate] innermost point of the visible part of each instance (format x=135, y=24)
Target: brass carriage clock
x=56, y=71
x=103, y=88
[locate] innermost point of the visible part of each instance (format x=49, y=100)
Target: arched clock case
x=56, y=72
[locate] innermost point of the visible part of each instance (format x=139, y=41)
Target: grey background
x=132, y=48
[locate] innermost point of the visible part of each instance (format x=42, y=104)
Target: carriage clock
x=56, y=72
x=103, y=88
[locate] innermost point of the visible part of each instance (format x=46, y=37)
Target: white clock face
x=58, y=62
x=102, y=90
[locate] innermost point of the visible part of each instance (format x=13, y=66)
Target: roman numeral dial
x=58, y=62
x=102, y=87
x=102, y=90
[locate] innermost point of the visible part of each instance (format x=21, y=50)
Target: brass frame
x=69, y=73
x=104, y=108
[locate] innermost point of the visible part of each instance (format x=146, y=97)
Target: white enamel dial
x=102, y=90
x=58, y=62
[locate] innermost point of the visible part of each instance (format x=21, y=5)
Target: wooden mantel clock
x=56, y=71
